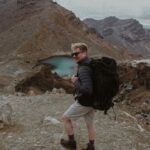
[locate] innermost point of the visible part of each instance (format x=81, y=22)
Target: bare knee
x=65, y=118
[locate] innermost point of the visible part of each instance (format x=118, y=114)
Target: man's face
x=78, y=55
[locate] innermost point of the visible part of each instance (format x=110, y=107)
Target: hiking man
x=82, y=107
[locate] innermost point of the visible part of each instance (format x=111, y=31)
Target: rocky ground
x=36, y=125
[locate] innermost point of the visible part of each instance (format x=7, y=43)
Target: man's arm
x=84, y=83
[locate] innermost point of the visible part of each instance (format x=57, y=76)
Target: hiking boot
x=68, y=144
x=89, y=147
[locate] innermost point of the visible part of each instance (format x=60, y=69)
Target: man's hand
x=74, y=78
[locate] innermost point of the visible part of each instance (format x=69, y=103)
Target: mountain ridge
x=124, y=33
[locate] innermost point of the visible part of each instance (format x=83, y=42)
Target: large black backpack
x=105, y=81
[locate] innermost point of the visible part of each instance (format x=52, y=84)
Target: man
x=82, y=107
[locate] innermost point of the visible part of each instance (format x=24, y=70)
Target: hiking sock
x=71, y=137
x=90, y=145
x=91, y=142
x=68, y=144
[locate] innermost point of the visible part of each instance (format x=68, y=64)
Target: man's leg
x=75, y=111
x=91, y=130
x=70, y=143
x=68, y=126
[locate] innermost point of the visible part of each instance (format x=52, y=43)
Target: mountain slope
x=35, y=29
x=44, y=27
x=128, y=33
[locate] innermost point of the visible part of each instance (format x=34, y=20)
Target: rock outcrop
x=137, y=73
x=5, y=114
x=134, y=95
x=44, y=81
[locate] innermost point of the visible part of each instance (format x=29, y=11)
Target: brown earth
x=44, y=81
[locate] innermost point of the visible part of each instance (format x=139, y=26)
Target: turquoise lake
x=62, y=65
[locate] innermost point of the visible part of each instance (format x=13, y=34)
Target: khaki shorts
x=76, y=111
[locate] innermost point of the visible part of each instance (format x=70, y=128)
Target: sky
x=99, y=9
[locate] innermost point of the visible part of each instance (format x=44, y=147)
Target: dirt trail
x=37, y=126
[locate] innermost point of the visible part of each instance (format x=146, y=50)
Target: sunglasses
x=75, y=54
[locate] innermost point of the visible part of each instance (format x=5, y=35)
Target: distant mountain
x=127, y=33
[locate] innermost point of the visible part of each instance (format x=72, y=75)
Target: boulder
x=48, y=120
x=5, y=114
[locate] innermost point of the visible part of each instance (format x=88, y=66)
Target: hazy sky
x=138, y=9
